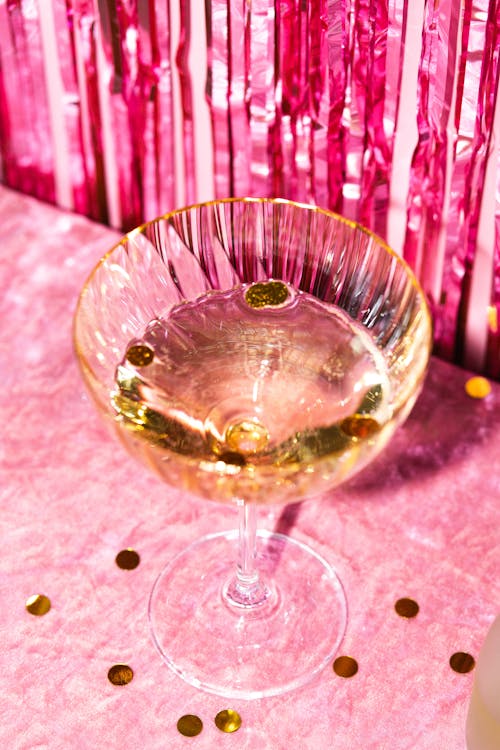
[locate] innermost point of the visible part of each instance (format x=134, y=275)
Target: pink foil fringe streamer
x=386, y=112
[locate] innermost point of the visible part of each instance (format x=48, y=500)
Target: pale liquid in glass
x=229, y=396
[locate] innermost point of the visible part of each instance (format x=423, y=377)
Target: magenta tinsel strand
x=377, y=150
x=218, y=90
x=353, y=116
x=488, y=83
x=42, y=147
x=162, y=154
x=8, y=163
x=337, y=80
x=129, y=109
x=151, y=111
x=486, y=150
x=423, y=158
x=63, y=19
x=446, y=308
x=85, y=156
x=240, y=96
x=32, y=149
x=382, y=110
x=434, y=259
x=83, y=27
x=147, y=75
x=318, y=56
x=318, y=101
x=482, y=37
x=278, y=141
x=263, y=97
x=293, y=62
x=428, y=199
x=395, y=46
x=181, y=59
x=493, y=350
x=230, y=32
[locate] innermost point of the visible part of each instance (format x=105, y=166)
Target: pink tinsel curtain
x=386, y=111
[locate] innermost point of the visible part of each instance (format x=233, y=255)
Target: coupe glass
x=252, y=351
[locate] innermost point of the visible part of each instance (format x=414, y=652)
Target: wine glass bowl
x=258, y=351
x=235, y=244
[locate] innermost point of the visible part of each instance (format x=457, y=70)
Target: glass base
x=248, y=652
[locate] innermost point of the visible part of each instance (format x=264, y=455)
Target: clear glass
x=483, y=716
x=252, y=351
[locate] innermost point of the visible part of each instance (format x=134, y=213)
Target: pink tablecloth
x=422, y=522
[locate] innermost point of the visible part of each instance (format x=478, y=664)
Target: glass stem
x=246, y=572
x=246, y=589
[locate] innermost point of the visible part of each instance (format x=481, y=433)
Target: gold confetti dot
x=38, y=604
x=406, y=607
x=359, y=426
x=247, y=436
x=462, y=662
x=478, y=387
x=345, y=666
x=120, y=674
x=267, y=294
x=190, y=725
x=127, y=559
x=228, y=720
x=140, y=355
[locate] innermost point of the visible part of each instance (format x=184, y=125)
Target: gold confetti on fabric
x=345, y=666
x=478, y=387
x=140, y=355
x=120, y=674
x=228, y=720
x=406, y=607
x=38, y=604
x=190, y=725
x=267, y=294
x=462, y=662
x=127, y=559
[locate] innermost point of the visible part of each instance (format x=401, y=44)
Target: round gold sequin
x=267, y=294
x=462, y=662
x=359, y=426
x=120, y=674
x=345, y=666
x=38, y=604
x=140, y=355
x=478, y=387
x=228, y=720
x=127, y=559
x=190, y=725
x=406, y=607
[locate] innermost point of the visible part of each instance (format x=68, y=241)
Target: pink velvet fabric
x=422, y=521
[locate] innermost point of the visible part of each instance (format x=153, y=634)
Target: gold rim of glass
x=248, y=199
